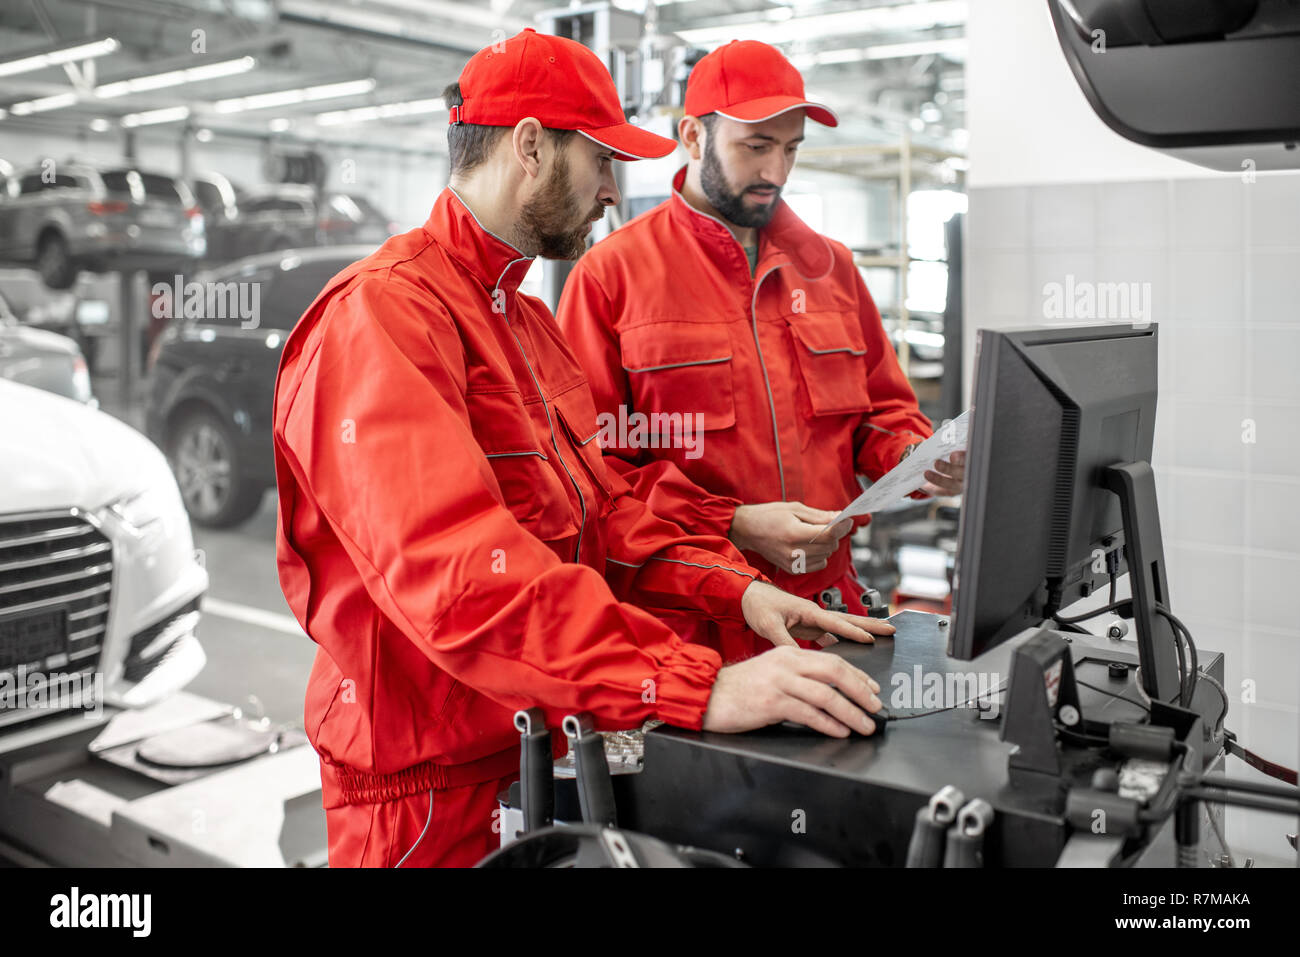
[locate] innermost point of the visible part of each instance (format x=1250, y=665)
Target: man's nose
x=609, y=194
x=777, y=169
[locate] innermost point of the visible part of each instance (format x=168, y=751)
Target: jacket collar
x=786, y=239
x=489, y=258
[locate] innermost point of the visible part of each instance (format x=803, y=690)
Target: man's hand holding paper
x=936, y=466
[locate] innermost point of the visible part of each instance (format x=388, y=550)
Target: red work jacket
x=450, y=536
x=788, y=370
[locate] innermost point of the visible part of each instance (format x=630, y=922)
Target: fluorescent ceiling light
x=883, y=19
x=370, y=21
x=157, y=81
x=954, y=47
x=73, y=54
x=364, y=114
x=55, y=102
x=489, y=19
x=261, y=101
x=169, y=114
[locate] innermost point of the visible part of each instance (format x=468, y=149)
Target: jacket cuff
x=881, y=453
x=720, y=587
x=684, y=683
x=715, y=514
x=735, y=585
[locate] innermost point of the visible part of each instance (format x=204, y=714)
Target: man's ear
x=526, y=141
x=691, y=132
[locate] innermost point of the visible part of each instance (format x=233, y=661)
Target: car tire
x=204, y=454
x=54, y=262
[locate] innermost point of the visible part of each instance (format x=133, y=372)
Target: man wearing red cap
x=448, y=532
x=721, y=308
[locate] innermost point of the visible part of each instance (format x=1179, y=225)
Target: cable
x=1223, y=841
x=1137, y=686
x=1113, y=606
x=951, y=707
x=1112, y=694
x=1287, y=807
x=422, y=833
x=1263, y=765
x=1127, y=603
x=1182, y=667
x=1225, y=783
x=1194, y=671
x=1186, y=677
x=1085, y=738
x=1217, y=733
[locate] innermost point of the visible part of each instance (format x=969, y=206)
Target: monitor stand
x=1135, y=484
x=1042, y=690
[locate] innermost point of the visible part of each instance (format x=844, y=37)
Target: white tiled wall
x=1223, y=260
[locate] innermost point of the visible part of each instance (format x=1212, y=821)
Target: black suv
x=213, y=379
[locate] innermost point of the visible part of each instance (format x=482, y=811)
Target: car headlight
x=149, y=515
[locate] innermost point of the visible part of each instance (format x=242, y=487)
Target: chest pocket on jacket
x=681, y=368
x=575, y=412
x=831, y=355
x=532, y=489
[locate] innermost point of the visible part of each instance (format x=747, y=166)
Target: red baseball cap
x=750, y=81
x=560, y=83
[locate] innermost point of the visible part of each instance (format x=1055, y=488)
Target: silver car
x=70, y=216
x=43, y=359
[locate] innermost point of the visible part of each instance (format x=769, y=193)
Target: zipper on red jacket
x=767, y=382
x=753, y=316
x=582, y=502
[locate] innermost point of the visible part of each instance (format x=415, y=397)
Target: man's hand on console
x=793, y=684
x=781, y=618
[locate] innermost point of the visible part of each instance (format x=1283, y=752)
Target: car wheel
x=54, y=262
x=204, y=457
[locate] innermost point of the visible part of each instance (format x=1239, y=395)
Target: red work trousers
x=454, y=827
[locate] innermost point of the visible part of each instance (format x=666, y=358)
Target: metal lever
x=926, y=846
x=833, y=600
x=876, y=606
x=595, y=786
x=966, y=837
x=536, y=770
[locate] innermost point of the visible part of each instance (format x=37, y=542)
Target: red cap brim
x=631, y=142
x=764, y=108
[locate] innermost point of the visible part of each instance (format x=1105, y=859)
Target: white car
x=100, y=584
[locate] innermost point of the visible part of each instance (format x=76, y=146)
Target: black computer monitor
x=1043, y=520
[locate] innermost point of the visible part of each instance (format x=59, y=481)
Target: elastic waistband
x=345, y=785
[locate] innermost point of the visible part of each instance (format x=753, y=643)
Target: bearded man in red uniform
x=721, y=308
x=449, y=534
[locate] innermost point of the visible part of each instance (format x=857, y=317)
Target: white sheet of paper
x=909, y=475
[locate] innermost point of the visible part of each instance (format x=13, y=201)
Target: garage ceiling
x=882, y=65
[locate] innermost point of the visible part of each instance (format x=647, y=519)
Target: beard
x=731, y=205
x=553, y=221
